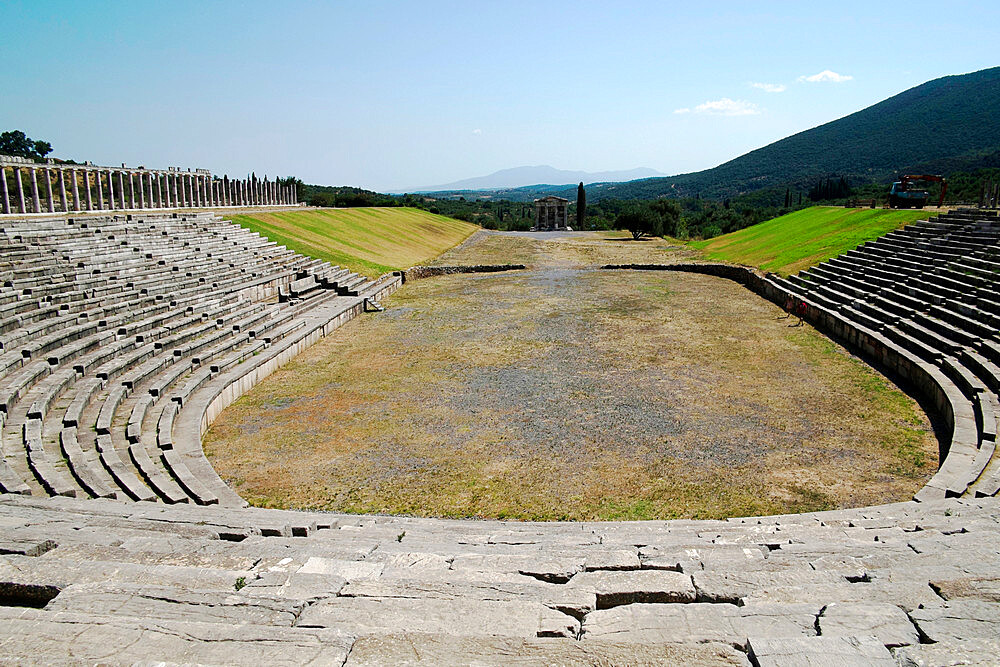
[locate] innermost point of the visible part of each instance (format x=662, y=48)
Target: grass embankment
x=801, y=239
x=371, y=241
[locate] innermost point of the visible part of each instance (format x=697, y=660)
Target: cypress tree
x=581, y=205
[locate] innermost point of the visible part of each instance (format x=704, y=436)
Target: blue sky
x=390, y=95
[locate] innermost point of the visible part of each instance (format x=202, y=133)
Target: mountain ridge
x=529, y=175
x=940, y=125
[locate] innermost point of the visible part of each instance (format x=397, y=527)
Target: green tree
x=640, y=220
x=670, y=215
x=17, y=143
x=581, y=205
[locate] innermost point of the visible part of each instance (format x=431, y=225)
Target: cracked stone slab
x=567, y=599
x=360, y=615
x=405, y=565
x=731, y=586
x=191, y=556
x=819, y=652
x=66, y=638
x=628, y=587
x=433, y=650
x=968, y=652
x=699, y=622
x=551, y=569
x=351, y=570
x=294, y=585
x=26, y=546
x=887, y=622
x=977, y=588
x=906, y=594
x=62, y=573
x=161, y=603
x=704, y=557
x=612, y=560
x=959, y=620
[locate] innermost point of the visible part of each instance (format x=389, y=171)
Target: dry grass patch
x=568, y=393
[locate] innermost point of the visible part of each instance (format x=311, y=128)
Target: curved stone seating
x=102, y=312
x=931, y=312
x=82, y=579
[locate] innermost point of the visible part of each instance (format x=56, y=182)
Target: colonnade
x=26, y=187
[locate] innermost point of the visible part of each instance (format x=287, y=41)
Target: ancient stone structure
x=58, y=187
x=551, y=213
x=122, y=339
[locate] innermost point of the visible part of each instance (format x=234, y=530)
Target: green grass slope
x=371, y=241
x=801, y=239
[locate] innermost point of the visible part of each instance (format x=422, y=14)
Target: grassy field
x=371, y=241
x=801, y=239
x=565, y=392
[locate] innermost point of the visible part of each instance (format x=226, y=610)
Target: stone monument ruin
x=551, y=214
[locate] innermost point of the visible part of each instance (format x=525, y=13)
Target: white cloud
x=770, y=87
x=826, y=75
x=684, y=110
x=728, y=107
x=477, y=131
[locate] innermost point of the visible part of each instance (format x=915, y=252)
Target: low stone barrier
x=418, y=272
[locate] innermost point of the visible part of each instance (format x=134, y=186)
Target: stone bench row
x=148, y=326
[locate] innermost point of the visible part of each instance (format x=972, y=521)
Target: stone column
x=62, y=190
x=159, y=190
x=172, y=180
x=48, y=190
x=3, y=185
x=20, y=191
x=76, y=191
x=34, y=191
x=142, y=190
x=131, y=191
x=295, y=194
x=111, y=190
x=90, y=197
x=184, y=197
x=100, y=190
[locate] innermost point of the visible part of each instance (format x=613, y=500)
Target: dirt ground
x=568, y=392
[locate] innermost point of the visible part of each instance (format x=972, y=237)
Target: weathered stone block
x=887, y=622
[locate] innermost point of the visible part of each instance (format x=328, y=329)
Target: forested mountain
x=940, y=126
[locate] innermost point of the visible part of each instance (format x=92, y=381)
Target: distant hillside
x=801, y=239
x=943, y=125
x=541, y=174
x=368, y=240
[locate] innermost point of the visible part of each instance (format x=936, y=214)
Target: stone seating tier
x=909, y=583
x=934, y=313
x=148, y=323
